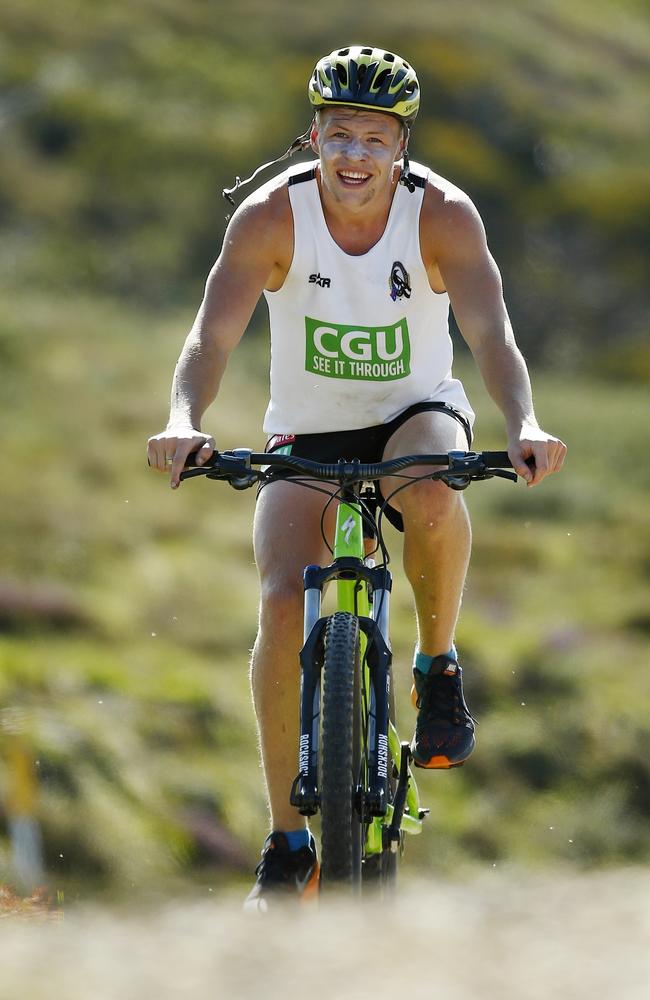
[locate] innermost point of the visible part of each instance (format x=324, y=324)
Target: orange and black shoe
x=283, y=874
x=444, y=731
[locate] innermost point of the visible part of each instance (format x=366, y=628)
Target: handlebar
x=459, y=468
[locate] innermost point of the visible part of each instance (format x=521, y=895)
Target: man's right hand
x=167, y=452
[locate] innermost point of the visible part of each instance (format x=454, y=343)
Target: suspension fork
x=353, y=579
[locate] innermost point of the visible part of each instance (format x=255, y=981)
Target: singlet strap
x=305, y=175
x=418, y=180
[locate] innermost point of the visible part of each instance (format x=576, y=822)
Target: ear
x=313, y=137
x=403, y=143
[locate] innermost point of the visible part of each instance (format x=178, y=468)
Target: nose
x=355, y=149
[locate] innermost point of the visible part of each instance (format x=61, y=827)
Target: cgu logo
x=358, y=344
x=352, y=352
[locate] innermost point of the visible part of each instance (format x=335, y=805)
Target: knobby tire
x=341, y=828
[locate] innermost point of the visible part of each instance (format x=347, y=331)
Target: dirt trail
x=504, y=937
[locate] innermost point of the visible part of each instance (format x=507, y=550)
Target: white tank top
x=355, y=340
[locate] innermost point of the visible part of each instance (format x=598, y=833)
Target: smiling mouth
x=352, y=178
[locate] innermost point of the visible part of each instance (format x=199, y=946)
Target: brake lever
x=451, y=479
x=457, y=479
x=504, y=474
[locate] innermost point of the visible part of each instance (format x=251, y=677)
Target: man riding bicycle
x=359, y=254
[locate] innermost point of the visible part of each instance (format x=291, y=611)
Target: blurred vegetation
x=122, y=123
x=126, y=611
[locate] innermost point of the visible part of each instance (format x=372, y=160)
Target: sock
x=297, y=838
x=423, y=661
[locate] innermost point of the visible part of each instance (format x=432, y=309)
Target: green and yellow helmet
x=363, y=77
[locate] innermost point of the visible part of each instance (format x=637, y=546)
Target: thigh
x=432, y=432
x=287, y=532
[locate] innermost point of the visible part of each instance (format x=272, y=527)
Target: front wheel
x=340, y=753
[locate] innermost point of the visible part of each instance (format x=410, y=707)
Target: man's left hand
x=535, y=454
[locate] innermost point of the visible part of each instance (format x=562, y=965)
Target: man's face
x=357, y=150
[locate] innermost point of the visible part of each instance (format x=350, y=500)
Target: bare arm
x=248, y=260
x=472, y=279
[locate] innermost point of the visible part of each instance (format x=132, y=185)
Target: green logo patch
x=366, y=353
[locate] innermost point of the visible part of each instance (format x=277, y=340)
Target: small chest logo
x=315, y=279
x=399, y=282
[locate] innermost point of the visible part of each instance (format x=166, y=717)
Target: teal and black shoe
x=283, y=874
x=444, y=731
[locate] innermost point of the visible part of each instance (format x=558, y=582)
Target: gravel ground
x=579, y=936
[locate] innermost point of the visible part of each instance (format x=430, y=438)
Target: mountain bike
x=352, y=766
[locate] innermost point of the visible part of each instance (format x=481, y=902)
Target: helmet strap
x=299, y=144
x=405, y=177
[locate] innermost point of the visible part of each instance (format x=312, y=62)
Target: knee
x=432, y=509
x=281, y=605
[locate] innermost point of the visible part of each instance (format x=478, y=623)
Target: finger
x=156, y=455
x=178, y=464
x=152, y=453
x=205, y=451
x=520, y=465
x=541, y=468
x=560, y=456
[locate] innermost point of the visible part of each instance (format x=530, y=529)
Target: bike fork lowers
x=353, y=579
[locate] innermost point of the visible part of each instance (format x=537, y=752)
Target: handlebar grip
x=190, y=461
x=496, y=459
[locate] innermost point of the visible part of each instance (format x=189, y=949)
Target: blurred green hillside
x=126, y=610
x=121, y=123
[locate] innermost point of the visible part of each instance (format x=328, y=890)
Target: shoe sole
x=438, y=764
x=312, y=889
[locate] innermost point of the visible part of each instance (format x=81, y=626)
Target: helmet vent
x=341, y=72
x=389, y=57
x=380, y=79
x=344, y=52
x=361, y=72
x=366, y=52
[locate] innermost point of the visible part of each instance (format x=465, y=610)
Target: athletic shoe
x=444, y=731
x=284, y=874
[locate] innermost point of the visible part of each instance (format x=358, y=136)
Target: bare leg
x=286, y=538
x=437, y=533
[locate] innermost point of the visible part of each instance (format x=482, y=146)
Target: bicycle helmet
x=366, y=78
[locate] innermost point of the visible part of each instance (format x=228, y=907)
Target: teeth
x=351, y=175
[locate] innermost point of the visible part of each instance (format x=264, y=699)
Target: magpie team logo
x=315, y=279
x=399, y=282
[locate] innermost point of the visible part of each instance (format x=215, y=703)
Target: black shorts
x=367, y=444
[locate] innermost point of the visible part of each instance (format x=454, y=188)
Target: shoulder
x=265, y=215
x=450, y=223
x=447, y=209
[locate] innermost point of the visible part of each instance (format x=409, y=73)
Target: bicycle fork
x=352, y=574
x=375, y=662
